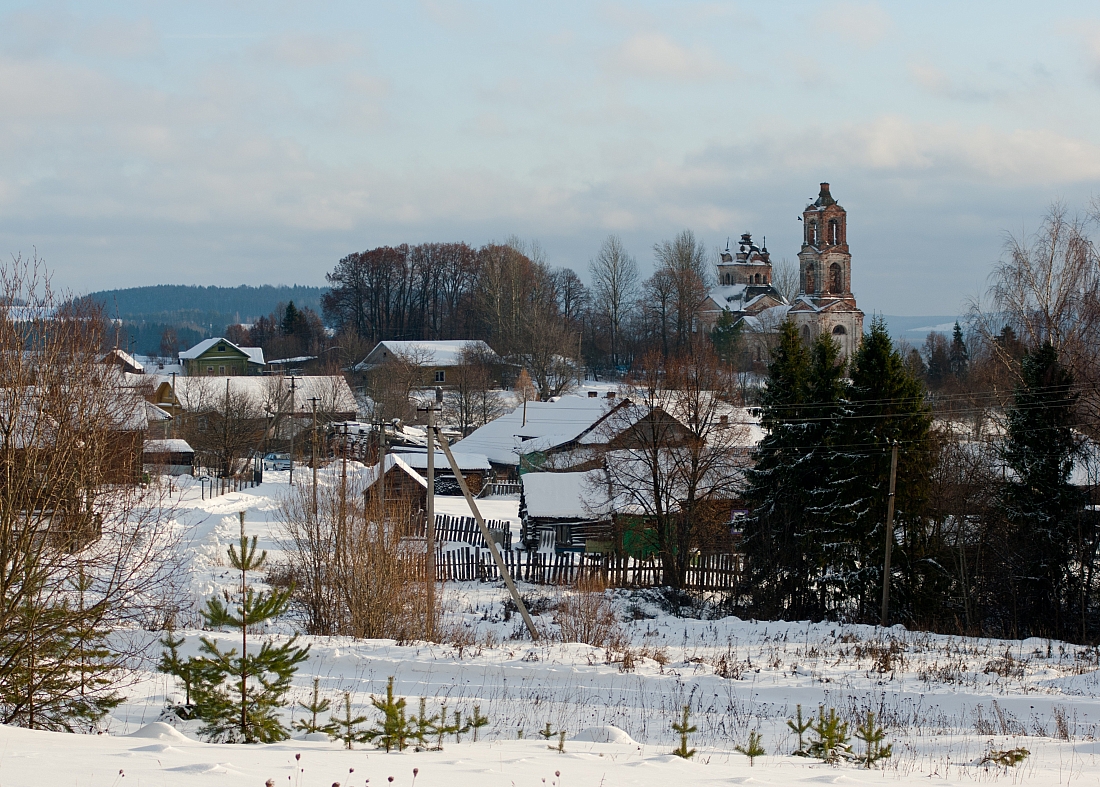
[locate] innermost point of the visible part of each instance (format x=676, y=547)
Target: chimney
x=610, y=394
x=593, y=394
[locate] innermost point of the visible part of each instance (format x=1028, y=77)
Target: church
x=824, y=304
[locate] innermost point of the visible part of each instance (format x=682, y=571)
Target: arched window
x=836, y=278
x=811, y=233
x=756, y=279
x=833, y=237
x=810, y=279
x=839, y=330
x=806, y=333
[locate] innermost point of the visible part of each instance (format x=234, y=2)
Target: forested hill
x=210, y=308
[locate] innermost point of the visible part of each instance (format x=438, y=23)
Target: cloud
x=936, y=82
x=307, y=50
x=863, y=24
x=655, y=56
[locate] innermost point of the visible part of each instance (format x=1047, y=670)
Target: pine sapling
x=347, y=728
x=396, y=727
x=831, y=737
x=753, y=748
x=172, y=664
x=477, y=721
x=426, y=726
x=872, y=737
x=800, y=726
x=441, y=728
x=684, y=728
x=458, y=728
x=315, y=706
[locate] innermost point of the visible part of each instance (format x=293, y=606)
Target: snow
x=945, y=700
x=565, y=495
x=466, y=461
x=547, y=424
x=255, y=354
x=428, y=353
x=168, y=446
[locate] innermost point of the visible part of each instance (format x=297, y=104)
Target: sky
x=238, y=142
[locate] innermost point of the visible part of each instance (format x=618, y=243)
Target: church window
x=839, y=330
x=811, y=233
x=809, y=279
x=806, y=333
x=756, y=279
x=833, y=237
x=837, y=278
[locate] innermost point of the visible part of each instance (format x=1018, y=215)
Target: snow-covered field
x=945, y=701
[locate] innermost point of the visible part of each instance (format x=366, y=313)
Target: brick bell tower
x=825, y=302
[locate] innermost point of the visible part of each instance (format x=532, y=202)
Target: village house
x=221, y=357
x=437, y=360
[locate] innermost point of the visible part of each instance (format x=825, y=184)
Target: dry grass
x=585, y=615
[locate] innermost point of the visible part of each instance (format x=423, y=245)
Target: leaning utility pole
x=889, y=534
x=489, y=542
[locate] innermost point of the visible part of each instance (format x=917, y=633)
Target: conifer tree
x=774, y=555
x=1037, y=499
x=788, y=532
x=238, y=695
x=347, y=726
x=886, y=404
x=726, y=337
x=315, y=707
x=959, y=355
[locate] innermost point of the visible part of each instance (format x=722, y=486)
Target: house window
x=440, y=376
x=221, y=348
x=209, y=369
x=221, y=371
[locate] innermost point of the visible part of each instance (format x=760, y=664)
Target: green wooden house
x=220, y=357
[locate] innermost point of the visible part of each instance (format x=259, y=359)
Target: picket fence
x=465, y=563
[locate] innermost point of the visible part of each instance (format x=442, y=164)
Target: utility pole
x=889, y=534
x=489, y=542
x=175, y=405
x=382, y=465
x=313, y=451
x=429, y=514
x=293, y=381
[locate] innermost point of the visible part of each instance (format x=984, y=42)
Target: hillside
x=195, y=312
x=207, y=307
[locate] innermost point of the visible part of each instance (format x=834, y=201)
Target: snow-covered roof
x=125, y=357
x=724, y=293
x=566, y=495
x=170, y=446
x=426, y=353
x=332, y=391
x=370, y=472
x=466, y=461
x=255, y=354
x=768, y=319
x=548, y=424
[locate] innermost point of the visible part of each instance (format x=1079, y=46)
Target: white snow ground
x=946, y=701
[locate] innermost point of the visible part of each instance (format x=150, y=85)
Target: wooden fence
x=707, y=572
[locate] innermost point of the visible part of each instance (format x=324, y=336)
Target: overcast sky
x=258, y=142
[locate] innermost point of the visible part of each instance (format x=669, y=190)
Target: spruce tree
x=886, y=404
x=786, y=536
x=315, y=707
x=959, y=355
x=238, y=695
x=726, y=337
x=1037, y=500
x=774, y=555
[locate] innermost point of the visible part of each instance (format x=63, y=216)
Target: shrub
x=585, y=615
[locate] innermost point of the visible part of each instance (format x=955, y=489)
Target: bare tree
x=352, y=570
x=549, y=350
x=674, y=456
x=614, y=284
x=222, y=422
x=470, y=401
x=86, y=548
x=390, y=386
x=785, y=278
x=684, y=259
x=1047, y=288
